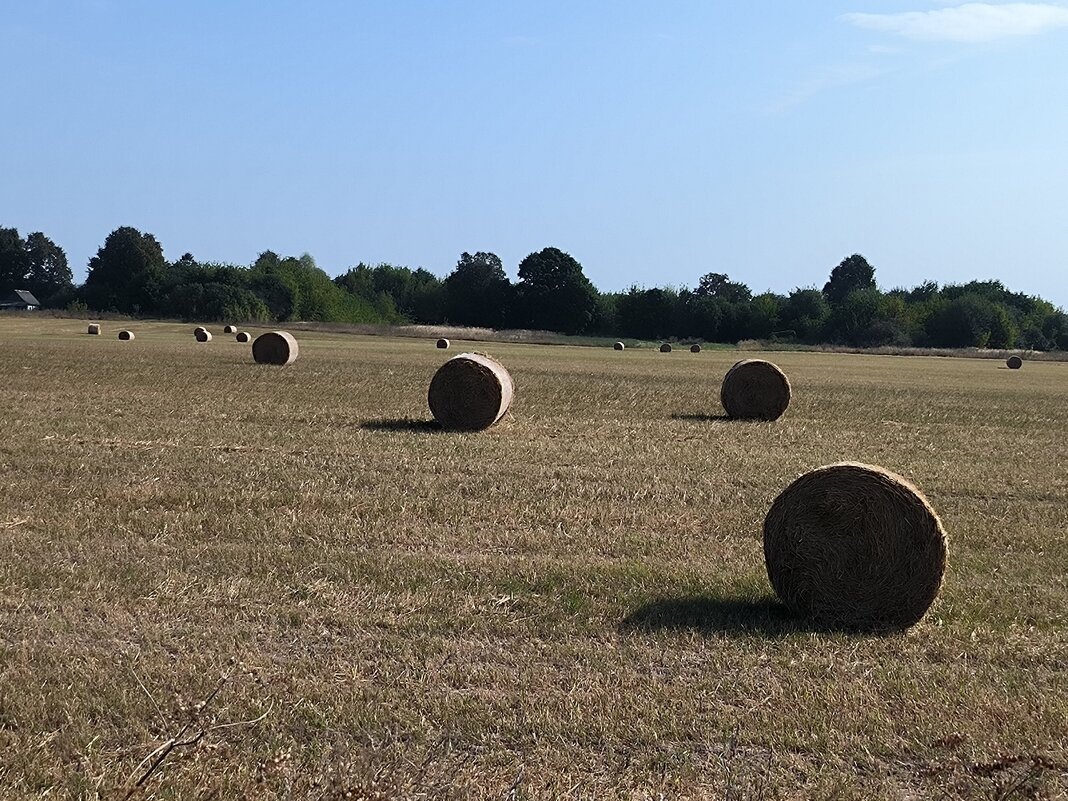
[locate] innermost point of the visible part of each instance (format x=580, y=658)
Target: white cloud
x=971, y=22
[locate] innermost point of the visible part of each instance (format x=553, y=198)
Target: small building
x=19, y=300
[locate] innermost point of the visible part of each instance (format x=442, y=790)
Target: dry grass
x=572, y=604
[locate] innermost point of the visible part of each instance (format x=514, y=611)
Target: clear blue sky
x=653, y=142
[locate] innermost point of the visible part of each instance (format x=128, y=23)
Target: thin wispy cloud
x=970, y=22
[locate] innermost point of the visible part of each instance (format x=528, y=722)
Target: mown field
x=221, y=579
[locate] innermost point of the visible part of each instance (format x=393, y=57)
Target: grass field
x=296, y=587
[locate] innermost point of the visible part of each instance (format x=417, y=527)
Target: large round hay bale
x=243, y=336
x=230, y=329
x=202, y=335
x=94, y=328
x=619, y=346
x=755, y=389
x=665, y=348
x=443, y=343
x=470, y=392
x=125, y=336
x=855, y=546
x=695, y=348
x=1014, y=362
x=275, y=347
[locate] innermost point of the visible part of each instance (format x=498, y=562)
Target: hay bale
x=230, y=329
x=855, y=546
x=202, y=335
x=243, y=336
x=94, y=328
x=755, y=389
x=126, y=336
x=665, y=348
x=695, y=348
x=470, y=392
x=199, y=330
x=1014, y=362
x=275, y=347
x=443, y=343
x=619, y=346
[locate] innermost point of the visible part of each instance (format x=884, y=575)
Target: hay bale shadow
x=402, y=424
x=709, y=418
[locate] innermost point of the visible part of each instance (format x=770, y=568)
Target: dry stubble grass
x=573, y=604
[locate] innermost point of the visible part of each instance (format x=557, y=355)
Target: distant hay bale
x=470, y=392
x=275, y=347
x=230, y=329
x=695, y=348
x=199, y=330
x=202, y=335
x=665, y=348
x=443, y=343
x=755, y=389
x=94, y=328
x=243, y=336
x=856, y=546
x=1014, y=362
x=125, y=336
x=619, y=346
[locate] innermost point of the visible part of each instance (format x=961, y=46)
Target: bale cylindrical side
x=1014, y=362
x=443, y=343
x=202, y=335
x=230, y=329
x=755, y=389
x=126, y=335
x=470, y=392
x=619, y=346
x=94, y=328
x=665, y=348
x=695, y=348
x=243, y=336
x=855, y=546
x=275, y=347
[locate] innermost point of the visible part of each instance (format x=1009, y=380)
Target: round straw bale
x=755, y=390
x=470, y=392
x=230, y=329
x=855, y=546
x=695, y=348
x=199, y=330
x=619, y=346
x=202, y=335
x=94, y=328
x=665, y=348
x=1014, y=362
x=275, y=347
x=126, y=335
x=443, y=343
x=243, y=336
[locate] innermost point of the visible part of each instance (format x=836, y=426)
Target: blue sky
x=767, y=140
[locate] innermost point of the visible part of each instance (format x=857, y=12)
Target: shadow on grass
x=701, y=418
x=765, y=617
x=402, y=424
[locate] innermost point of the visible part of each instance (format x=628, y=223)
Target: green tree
x=721, y=287
x=477, y=291
x=14, y=261
x=805, y=312
x=554, y=294
x=126, y=273
x=852, y=274
x=48, y=271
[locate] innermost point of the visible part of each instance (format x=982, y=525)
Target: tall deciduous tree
x=126, y=273
x=48, y=271
x=554, y=293
x=477, y=291
x=14, y=262
x=852, y=274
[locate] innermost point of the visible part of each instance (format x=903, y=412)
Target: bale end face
x=443, y=344
x=470, y=392
x=855, y=546
x=1014, y=362
x=275, y=347
x=244, y=336
x=230, y=329
x=695, y=348
x=755, y=389
x=126, y=336
x=619, y=346
x=202, y=335
x=665, y=348
x=94, y=328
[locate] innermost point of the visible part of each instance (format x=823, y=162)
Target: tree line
x=130, y=275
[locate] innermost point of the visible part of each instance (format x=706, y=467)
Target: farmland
x=573, y=604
